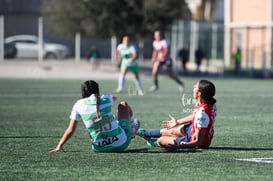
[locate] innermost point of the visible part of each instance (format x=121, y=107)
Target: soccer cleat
x=154, y=88
x=152, y=142
x=135, y=124
x=141, y=132
x=181, y=88
x=118, y=90
x=140, y=92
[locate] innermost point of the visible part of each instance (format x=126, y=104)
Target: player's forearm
x=166, y=51
x=134, y=56
x=68, y=133
x=200, y=134
x=185, y=120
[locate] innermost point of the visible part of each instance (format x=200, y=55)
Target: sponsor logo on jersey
x=108, y=141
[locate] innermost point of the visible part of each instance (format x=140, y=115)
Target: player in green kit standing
x=127, y=55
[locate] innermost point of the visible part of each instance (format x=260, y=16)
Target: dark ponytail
x=90, y=87
x=207, y=90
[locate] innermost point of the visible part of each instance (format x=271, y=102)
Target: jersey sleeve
x=74, y=113
x=201, y=120
x=109, y=97
x=119, y=47
x=154, y=44
x=133, y=49
x=164, y=43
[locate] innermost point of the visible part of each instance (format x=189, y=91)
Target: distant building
x=20, y=16
x=248, y=25
x=206, y=10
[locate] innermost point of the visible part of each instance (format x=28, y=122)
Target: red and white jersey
x=159, y=47
x=203, y=118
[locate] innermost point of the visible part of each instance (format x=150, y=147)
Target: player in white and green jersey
x=108, y=133
x=128, y=62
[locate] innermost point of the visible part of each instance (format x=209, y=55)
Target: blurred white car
x=27, y=47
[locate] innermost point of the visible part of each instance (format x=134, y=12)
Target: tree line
x=106, y=18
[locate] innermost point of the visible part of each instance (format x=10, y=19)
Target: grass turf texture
x=34, y=114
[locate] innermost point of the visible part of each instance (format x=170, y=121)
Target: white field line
x=257, y=160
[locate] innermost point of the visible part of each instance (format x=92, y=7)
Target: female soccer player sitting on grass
x=193, y=131
x=108, y=133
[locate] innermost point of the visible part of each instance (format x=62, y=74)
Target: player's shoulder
x=79, y=103
x=201, y=113
x=132, y=47
x=105, y=96
x=120, y=46
x=108, y=97
x=161, y=43
x=80, y=100
x=202, y=117
x=164, y=42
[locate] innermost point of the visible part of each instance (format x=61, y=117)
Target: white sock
x=138, y=84
x=121, y=81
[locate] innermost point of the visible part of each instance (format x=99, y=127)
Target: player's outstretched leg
x=174, y=77
x=156, y=68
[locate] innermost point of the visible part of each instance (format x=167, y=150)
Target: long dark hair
x=207, y=90
x=90, y=87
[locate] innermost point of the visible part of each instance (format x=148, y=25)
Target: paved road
x=62, y=69
x=69, y=69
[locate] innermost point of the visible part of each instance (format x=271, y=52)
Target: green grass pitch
x=34, y=114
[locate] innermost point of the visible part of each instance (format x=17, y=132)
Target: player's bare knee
x=165, y=132
x=123, y=103
x=163, y=141
x=122, y=107
x=168, y=132
x=160, y=141
x=123, y=110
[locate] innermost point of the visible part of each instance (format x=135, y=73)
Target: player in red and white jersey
x=203, y=119
x=193, y=131
x=161, y=57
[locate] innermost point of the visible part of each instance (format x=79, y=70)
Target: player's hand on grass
x=170, y=124
x=57, y=149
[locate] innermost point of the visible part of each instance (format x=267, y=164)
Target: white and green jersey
x=105, y=132
x=126, y=53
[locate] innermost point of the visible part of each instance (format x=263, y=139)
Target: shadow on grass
x=240, y=149
x=139, y=151
x=161, y=150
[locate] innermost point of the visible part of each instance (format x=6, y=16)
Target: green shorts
x=126, y=126
x=132, y=68
x=123, y=140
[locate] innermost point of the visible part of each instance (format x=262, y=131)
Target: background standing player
x=127, y=55
x=161, y=57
